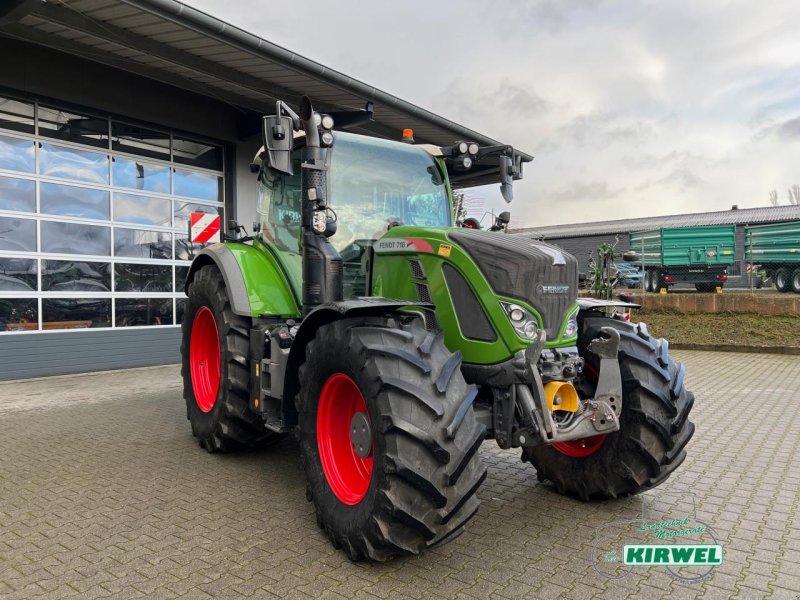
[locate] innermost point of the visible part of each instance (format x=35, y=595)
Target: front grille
x=540, y=274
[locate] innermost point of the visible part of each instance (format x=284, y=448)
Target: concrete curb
x=790, y=350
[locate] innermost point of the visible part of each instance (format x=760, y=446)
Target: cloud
x=646, y=107
x=789, y=130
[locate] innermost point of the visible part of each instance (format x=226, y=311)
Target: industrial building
x=580, y=239
x=119, y=118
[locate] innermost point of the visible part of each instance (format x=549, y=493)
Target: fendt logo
x=648, y=555
x=552, y=289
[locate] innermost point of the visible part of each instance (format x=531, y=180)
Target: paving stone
x=106, y=494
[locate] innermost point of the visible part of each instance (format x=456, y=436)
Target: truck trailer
x=776, y=248
x=698, y=255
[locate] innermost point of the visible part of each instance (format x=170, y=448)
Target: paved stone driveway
x=104, y=493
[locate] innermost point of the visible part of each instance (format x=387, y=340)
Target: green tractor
x=392, y=344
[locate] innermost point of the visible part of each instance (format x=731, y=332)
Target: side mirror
x=504, y=217
x=506, y=177
x=277, y=134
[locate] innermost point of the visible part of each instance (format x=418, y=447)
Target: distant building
x=579, y=239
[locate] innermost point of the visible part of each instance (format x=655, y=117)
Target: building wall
x=112, y=340
x=58, y=353
x=580, y=247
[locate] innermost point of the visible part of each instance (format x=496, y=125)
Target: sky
x=631, y=109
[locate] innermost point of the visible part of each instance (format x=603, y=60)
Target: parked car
x=628, y=275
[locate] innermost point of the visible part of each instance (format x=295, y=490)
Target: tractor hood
x=540, y=274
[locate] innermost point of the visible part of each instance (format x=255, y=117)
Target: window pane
x=138, y=243
x=180, y=310
x=17, y=275
x=197, y=154
x=69, y=163
x=181, y=273
x=65, y=275
x=131, y=208
x=198, y=185
x=19, y=314
x=137, y=140
x=76, y=313
x=140, y=175
x=183, y=211
x=16, y=154
x=69, y=200
x=71, y=238
x=142, y=278
x=143, y=311
x=17, y=194
x=16, y=115
x=73, y=127
x=184, y=249
x=17, y=234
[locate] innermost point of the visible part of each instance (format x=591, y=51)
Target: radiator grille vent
x=431, y=322
x=416, y=269
x=423, y=293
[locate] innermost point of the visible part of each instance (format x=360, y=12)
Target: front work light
x=524, y=322
x=463, y=163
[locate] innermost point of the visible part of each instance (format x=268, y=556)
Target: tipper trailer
x=694, y=255
x=776, y=249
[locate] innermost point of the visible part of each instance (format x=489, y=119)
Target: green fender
x=256, y=283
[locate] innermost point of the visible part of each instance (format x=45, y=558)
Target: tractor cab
x=374, y=185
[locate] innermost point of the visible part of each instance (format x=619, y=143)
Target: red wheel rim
x=587, y=446
x=581, y=448
x=347, y=473
x=204, y=359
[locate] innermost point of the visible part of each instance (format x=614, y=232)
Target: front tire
x=216, y=378
x=412, y=482
x=654, y=424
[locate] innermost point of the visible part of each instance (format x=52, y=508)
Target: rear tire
x=783, y=280
x=648, y=282
x=654, y=431
x=217, y=400
x=423, y=468
x=796, y=281
x=706, y=287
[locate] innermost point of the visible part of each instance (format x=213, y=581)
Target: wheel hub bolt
x=361, y=434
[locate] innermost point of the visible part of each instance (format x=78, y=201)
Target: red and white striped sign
x=204, y=228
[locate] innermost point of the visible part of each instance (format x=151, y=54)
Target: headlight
x=516, y=313
x=473, y=148
x=530, y=329
x=525, y=324
x=463, y=147
x=327, y=122
x=571, y=329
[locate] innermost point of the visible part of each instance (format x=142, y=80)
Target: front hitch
x=595, y=416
